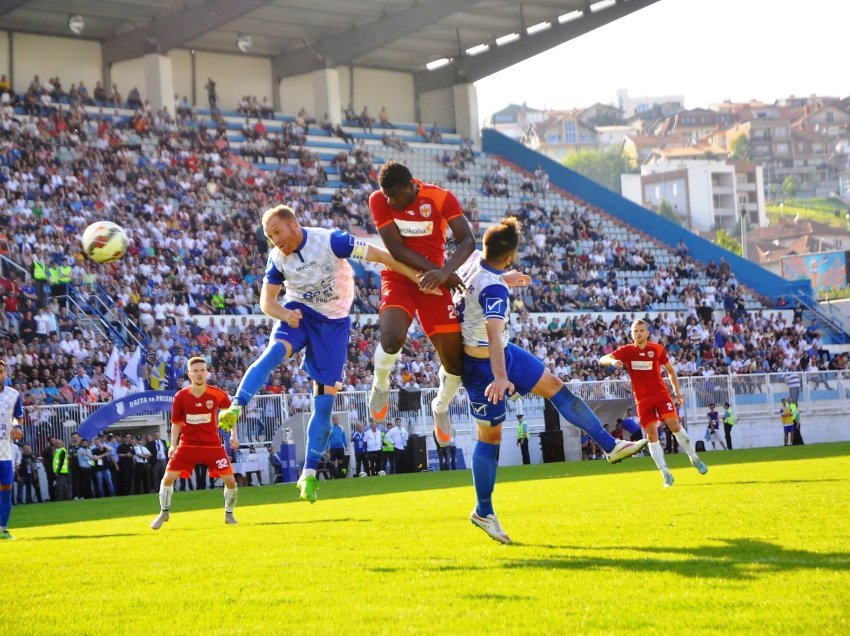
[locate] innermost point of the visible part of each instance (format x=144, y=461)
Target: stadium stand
x=189, y=188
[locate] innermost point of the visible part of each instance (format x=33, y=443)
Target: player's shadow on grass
x=85, y=536
x=751, y=482
x=736, y=559
x=309, y=522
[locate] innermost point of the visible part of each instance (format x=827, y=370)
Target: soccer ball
x=363, y=474
x=104, y=241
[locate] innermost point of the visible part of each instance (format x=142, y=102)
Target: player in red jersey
x=195, y=440
x=643, y=361
x=412, y=218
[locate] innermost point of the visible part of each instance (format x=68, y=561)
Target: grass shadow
x=736, y=559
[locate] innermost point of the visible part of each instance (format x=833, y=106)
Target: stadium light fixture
x=435, y=64
x=569, y=17
x=507, y=39
x=477, y=50
x=537, y=28
x=76, y=24
x=244, y=43
x=601, y=6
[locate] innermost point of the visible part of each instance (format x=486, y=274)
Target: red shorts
x=436, y=314
x=186, y=457
x=655, y=408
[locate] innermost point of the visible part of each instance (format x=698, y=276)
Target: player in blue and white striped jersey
x=494, y=368
x=310, y=263
x=11, y=410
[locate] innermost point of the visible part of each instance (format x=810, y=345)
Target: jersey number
x=221, y=463
x=452, y=312
x=669, y=406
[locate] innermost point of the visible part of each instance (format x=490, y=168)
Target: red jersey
x=644, y=367
x=198, y=416
x=423, y=223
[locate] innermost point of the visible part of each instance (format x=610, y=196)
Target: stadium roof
x=305, y=35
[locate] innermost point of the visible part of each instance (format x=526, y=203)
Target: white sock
x=658, y=456
x=449, y=385
x=165, y=493
x=384, y=363
x=229, y=499
x=308, y=472
x=685, y=443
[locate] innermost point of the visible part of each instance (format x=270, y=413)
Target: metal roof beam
x=341, y=48
x=470, y=69
x=170, y=31
x=10, y=5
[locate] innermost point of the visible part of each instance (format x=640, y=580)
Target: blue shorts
x=789, y=428
x=7, y=473
x=326, y=341
x=524, y=370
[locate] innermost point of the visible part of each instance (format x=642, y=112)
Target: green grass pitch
x=759, y=545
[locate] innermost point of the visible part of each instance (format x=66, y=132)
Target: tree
x=790, y=186
x=602, y=166
x=727, y=242
x=739, y=149
x=666, y=210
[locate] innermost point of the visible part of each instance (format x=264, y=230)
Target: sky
x=706, y=50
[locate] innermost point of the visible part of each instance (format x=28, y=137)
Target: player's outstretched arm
x=501, y=385
x=515, y=278
x=379, y=255
x=400, y=252
x=270, y=306
x=610, y=361
x=465, y=246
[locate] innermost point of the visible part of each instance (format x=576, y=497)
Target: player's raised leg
x=255, y=379
x=449, y=346
x=573, y=409
x=393, y=322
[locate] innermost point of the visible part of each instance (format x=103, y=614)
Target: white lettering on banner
x=147, y=400
x=198, y=418
x=642, y=365
x=414, y=228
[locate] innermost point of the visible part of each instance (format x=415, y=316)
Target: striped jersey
x=317, y=274
x=11, y=407
x=486, y=296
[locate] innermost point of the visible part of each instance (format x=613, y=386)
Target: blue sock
x=5, y=507
x=318, y=429
x=257, y=374
x=579, y=414
x=485, y=462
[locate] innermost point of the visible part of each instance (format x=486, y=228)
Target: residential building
x=561, y=134
x=695, y=124
x=705, y=194
x=515, y=120
x=636, y=105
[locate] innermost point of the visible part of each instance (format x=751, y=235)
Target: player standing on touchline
x=643, y=361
